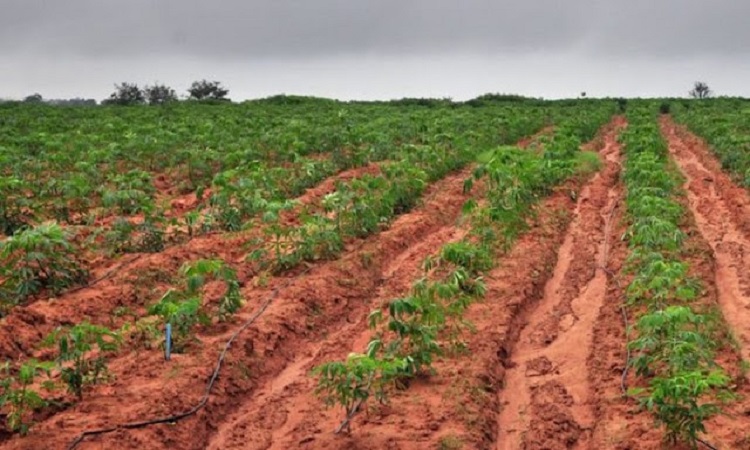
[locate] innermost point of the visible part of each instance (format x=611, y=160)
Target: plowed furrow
x=297, y=413
x=25, y=326
x=716, y=214
x=269, y=355
x=547, y=402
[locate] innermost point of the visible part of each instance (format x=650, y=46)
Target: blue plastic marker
x=168, y=343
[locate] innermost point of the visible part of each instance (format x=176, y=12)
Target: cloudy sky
x=365, y=49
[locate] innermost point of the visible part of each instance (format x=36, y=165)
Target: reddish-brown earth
x=542, y=370
x=722, y=213
x=548, y=401
x=316, y=303
x=131, y=280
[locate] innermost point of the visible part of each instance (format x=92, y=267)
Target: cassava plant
x=82, y=354
x=38, y=258
x=17, y=395
x=183, y=308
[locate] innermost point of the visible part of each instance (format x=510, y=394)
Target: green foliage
x=184, y=308
x=725, y=124
x=183, y=313
x=17, y=394
x=196, y=275
x=126, y=236
x=673, y=345
x=78, y=366
x=356, y=379
x=126, y=94
x=130, y=193
x=13, y=204
x=678, y=402
x=38, y=258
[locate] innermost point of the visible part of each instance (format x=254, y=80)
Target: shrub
x=74, y=346
x=38, y=258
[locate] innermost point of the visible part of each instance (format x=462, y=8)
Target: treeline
x=126, y=94
x=159, y=94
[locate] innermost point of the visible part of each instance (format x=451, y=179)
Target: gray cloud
x=672, y=28
x=279, y=28
x=375, y=48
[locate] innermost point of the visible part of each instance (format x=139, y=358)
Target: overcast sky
x=367, y=49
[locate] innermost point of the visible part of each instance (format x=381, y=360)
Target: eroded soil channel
x=547, y=400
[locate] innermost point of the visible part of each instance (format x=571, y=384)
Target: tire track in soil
x=548, y=403
x=315, y=305
x=25, y=326
x=720, y=222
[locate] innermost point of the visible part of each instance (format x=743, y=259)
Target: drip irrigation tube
x=209, y=387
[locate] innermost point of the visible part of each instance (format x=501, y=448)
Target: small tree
x=126, y=94
x=34, y=98
x=207, y=90
x=158, y=94
x=700, y=90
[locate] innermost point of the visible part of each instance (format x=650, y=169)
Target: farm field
x=500, y=274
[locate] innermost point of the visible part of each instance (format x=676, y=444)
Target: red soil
x=722, y=213
x=317, y=303
x=130, y=281
x=542, y=370
x=551, y=403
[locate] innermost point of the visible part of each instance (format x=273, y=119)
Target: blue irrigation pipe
x=168, y=343
x=204, y=399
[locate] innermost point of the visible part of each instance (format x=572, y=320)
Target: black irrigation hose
x=623, y=378
x=209, y=386
x=708, y=445
x=105, y=276
x=132, y=260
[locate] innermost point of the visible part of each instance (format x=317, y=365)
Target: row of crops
x=725, y=124
x=674, y=338
x=94, y=172
x=255, y=160
x=74, y=173
x=77, y=164
x=409, y=333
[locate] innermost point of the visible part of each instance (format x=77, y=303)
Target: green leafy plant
x=183, y=313
x=38, y=258
x=199, y=272
x=13, y=204
x=184, y=309
x=17, y=394
x=677, y=403
x=352, y=382
x=78, y=366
